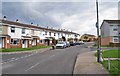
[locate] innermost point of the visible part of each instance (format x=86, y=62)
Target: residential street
x=58, y=61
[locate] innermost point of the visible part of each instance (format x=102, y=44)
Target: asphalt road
x=58, y=61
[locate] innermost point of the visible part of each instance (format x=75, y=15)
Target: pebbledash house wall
x=38, y=32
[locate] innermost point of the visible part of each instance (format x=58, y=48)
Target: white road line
x=32, y=66
x=21, y=57
x=12, y=58
x=29, y=55
x=25, y=56
x=53, y=55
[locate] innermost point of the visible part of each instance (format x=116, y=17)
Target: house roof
x=33, y=26
x=110, y=22
x=89, y=35
x=4, y=35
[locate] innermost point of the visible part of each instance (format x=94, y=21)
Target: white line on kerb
x=32, y=66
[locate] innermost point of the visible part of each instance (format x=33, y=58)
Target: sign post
x=97, y=26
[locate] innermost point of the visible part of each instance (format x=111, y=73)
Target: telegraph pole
x=97, y=26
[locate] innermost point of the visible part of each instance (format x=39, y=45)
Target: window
x=41, y=41
x=13, y=29
x=15, y=41
x=58, y=34
x=23, y=30
x=116, y=39
x=49, y=33
x=54, y=34
x=45, y=32
x=115, y=29
x=61, y=34
x=68, y=35
x=32, y=31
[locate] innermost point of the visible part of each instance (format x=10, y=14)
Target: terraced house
x=110, y=33
x=19, y=35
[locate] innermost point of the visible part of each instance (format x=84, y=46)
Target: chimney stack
x=31, y=23
x=16, y=20
x=4, y=18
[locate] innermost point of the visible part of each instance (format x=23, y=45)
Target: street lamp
x=97, y=26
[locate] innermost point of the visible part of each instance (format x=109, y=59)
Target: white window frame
x=116, y=39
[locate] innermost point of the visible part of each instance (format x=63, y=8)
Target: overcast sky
x=79, y=17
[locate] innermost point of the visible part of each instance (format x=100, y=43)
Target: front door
x=34, y=41
x=24, y=43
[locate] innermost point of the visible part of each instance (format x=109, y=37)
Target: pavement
x=86, y=64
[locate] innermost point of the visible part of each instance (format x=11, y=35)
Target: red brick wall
x=106, y=40
x=6, y=42
x=38, y=41
x=29, y=44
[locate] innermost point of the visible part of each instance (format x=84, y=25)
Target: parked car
x=61, y=45
x=67, y=44
x=77, y=43
x=81, y=42
x=72, y=43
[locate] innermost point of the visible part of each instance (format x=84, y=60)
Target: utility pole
x=97, y=26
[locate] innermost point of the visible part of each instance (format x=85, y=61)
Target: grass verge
x=23, y=49
x=114, y=67
x=111, y=54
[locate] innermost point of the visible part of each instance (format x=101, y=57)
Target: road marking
x=32, y=66
x=53, y=55
x=13, y=59
x=21, y=57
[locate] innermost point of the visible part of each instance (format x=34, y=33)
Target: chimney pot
x=16, y=20
x=4, y=17
x=31, y=23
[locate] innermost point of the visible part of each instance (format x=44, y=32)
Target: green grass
x=114, y=68
x=111, y=54
x=23, y=49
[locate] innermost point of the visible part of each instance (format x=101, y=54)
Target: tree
x=64, y=39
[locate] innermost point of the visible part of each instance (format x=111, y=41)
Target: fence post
x=102, y=55
x=108, y=63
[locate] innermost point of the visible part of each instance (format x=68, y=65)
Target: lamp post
x=97, y=26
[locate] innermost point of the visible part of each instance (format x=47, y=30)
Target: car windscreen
x=60, y=43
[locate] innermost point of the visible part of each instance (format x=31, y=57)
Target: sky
x=76, y=16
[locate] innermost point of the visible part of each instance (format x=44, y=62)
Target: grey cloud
x=56, y=14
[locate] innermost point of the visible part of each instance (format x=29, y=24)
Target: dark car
x=72, y=43
x=67, y=44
